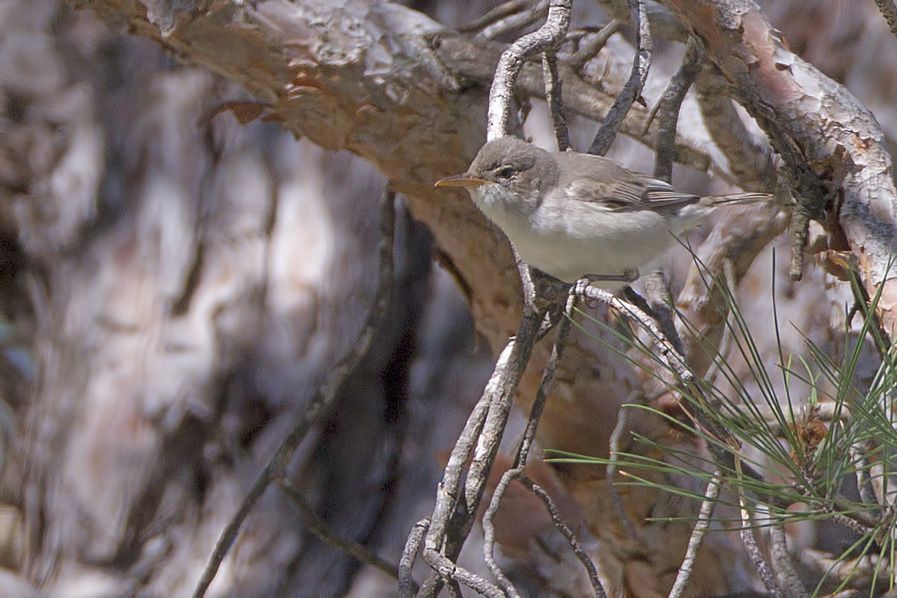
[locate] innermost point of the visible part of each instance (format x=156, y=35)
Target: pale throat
x=497, y=202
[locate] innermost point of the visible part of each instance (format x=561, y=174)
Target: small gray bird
x=572, y=215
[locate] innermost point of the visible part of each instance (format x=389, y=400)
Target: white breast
x=569, y=240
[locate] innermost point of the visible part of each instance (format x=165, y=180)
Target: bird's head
x=508, y=170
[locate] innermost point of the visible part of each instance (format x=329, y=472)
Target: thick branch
x=831, y=145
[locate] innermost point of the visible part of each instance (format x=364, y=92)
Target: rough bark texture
x=831, y=143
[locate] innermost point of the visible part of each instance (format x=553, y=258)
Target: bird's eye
x=505, y=172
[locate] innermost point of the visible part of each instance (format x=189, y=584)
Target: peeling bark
x=832, y=145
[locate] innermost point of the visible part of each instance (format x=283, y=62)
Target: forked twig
x=782, y=564
x=518, y=469
x=322, y=400
x=559, y=523
x=546, y=38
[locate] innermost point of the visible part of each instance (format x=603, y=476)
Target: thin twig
x=668, y=109
x=489, y=413
x=595, y=44
x=489, y=531
x=559, y=523
x=514, y=22
x=547, y=37
x=499, y=12
x=782, y=564
x=499, y=409
x=524, y=448
x=889, y=12
x=553, y=96
x=612, y=467
x=323, y=399
x=662, y=344
x=538, y=407
x=449, y=492
x=632, y=91
x=750, y=542
x=697, y=535
x=319, y=528
x=407, y=587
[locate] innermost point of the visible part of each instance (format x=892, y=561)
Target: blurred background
x=175, y=286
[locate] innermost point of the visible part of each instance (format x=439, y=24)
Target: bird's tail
x=736, y=198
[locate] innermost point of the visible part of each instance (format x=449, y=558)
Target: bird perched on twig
x=575, y=215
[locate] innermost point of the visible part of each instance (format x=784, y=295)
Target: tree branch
x=632, y=91
x=546, y=38
x=831, y=145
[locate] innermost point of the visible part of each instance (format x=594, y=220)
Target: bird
x=573, y=215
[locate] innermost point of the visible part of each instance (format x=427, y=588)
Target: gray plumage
x=572, y=214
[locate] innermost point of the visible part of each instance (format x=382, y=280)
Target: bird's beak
x=461, y=180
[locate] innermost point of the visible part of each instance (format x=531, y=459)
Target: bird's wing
x=628, y=194
x=614, y=187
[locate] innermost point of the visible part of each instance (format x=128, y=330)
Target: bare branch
x=501, y=11
x=594, y=45
x=529, y=434
x=662, y=344
x=750, y=542
x=612, y=467
x=321, y=401
x=489, y=530
x=546, y=37
x=513, y=22
x=831, y=145
x=668, y=109
x=525, y=444
x=632, y=91
x=554, y=99
x=697, y=535
x=407, y=587
x=750, y=158
x=753, y=550
x=782, y=564
x=490, y=411
x=559, y=523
